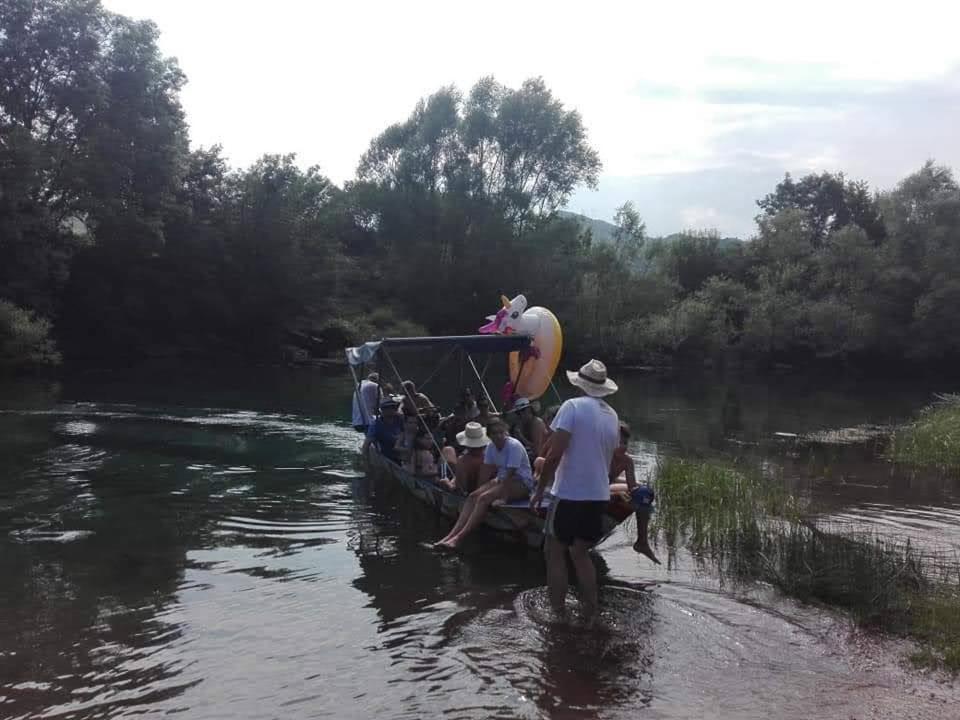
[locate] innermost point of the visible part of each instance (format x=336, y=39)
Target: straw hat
x=473, y=436
x=592, y=379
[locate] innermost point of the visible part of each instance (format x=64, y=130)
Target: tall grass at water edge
x=933, y=439
x=749, y=527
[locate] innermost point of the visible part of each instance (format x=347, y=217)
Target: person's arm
x=630, y=471
x=559, y=442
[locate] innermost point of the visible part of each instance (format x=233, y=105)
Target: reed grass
x=749, y=528
x=933, y=439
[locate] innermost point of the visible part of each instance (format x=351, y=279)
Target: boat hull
x=516, y=525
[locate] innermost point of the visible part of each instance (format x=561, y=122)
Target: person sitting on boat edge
x=468, y=465
x=413, y=401
x=366, y=398
x=385, y=430
x=641, y=496
x=506, y=457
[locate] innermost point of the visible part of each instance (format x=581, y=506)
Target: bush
x=933, y=440
x=25, y=339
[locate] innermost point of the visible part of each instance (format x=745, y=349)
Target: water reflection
x=213, y=550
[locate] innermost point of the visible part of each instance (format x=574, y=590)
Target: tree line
x=120, y=244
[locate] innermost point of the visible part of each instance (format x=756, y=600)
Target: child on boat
x=422, y=464
x=640, y=496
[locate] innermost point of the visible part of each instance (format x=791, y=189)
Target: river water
x=208, y=546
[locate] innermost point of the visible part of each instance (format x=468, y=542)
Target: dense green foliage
x=748, y=527
x=933, y=440
x=24, y=339
x=132, y=246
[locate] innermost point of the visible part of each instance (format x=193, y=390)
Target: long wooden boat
x=511, y=523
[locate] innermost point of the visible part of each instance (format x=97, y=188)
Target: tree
x=24, y=339
x=829, y=201
x=521, y=150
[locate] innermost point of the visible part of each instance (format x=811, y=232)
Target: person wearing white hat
x=586, y=432
x=467, y=466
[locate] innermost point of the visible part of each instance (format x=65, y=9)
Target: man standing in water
x=586, y=432
x=366, y=398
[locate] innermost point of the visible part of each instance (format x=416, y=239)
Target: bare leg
x=642, y=545
x=586, y=578
x=465, y=513
x=480, y=508
x=557, y=580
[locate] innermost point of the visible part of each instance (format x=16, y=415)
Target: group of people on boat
x=578, y=450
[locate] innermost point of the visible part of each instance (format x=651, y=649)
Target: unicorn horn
x=505, y=301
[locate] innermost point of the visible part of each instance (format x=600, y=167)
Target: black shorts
x=569, y=520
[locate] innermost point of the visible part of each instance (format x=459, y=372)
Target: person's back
x=365, y=402
x=594, y=428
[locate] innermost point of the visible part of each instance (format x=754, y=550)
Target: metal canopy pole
x=483, y=385
x=416, y=409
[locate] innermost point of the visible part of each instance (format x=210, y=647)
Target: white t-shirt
x=365, y=405
x=513, y=455
x=584, y=470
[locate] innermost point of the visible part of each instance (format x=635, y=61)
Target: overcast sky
x=697, y=109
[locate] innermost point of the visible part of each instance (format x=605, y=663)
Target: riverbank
x=750, y=528
x=933, y=439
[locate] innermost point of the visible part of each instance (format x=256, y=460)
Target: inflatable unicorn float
x=531, y=370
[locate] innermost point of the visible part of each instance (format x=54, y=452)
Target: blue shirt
x=385, y=433
x=512, y=457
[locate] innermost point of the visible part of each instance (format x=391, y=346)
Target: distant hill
x=603, y=231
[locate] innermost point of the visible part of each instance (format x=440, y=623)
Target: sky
x=696, y=108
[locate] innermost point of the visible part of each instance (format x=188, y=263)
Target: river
x=206, y=545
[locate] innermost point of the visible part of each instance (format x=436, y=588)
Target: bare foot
x=643, y=547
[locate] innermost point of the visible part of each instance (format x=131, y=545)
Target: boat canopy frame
x=464, y=345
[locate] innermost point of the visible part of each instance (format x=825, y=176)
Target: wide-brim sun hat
x=592, y=379
x=389, y=401
x=474, y=435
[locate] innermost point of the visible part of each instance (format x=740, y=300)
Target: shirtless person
x=413, y=402
x=531, y=430
x=623, y=465
x=469, y=463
